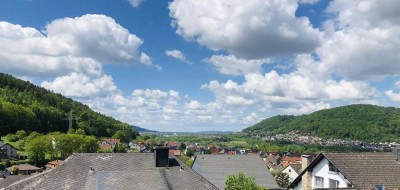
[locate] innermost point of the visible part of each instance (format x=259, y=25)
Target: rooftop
x=365, y=170
x=216, y=169
x=114, y=171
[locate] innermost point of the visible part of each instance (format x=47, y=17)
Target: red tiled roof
x=291, y=159
x=175, y=152
x=105, y=146
x=112, y=140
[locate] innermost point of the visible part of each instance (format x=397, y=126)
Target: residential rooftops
x=115, y=171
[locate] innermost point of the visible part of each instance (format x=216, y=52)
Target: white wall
x=322, y=170
x=292, y=174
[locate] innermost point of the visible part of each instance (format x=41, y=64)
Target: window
x=333, y=183
x=319, y=181
x=290, y=170
x=332, y=168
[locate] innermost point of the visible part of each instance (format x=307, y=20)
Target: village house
x=155, y=171
x=290, y=159
x=293, y=170
x=109, y=144
x=213, y=149
x=25, y=169
x=7, y=150
x=372, y=170
x=172, y=145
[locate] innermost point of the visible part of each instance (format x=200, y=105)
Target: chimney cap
x=305, y=156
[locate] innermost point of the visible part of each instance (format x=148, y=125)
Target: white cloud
x=252, y=29
x=177, y=55
x=81, y=86
x=392, y=95
x=362, y=41
x=67, y=45
x=135, y=3
x=231, y=65
x=306, y=108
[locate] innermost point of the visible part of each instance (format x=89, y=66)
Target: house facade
x=7, y=151
x=349, y=170
x=324, y=175
x=293, y=170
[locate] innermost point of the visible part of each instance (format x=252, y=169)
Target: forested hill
x=357, y=122
x=24, y=106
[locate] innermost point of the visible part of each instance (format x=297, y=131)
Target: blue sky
x=188, y=65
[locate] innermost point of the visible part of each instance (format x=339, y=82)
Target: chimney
x=306, y=180
x=161, y=156
x=396, y=150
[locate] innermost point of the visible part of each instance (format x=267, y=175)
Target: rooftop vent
x=161, y=156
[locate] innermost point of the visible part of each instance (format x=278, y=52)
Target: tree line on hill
x=354, y=122
x=24, y=106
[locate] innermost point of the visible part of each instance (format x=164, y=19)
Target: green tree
x=282, y=179
x=21, y=134
x=121, y=148
x=71, y=131
x=80, y=132
x=241, y=182
x=37, y=149
x=189, y=152
x=89, y=145
x=68, y=144
x=14, y=170
x=124, y=136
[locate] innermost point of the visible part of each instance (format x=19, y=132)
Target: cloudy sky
x=190, y=65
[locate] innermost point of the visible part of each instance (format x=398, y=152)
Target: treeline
x=354, y=122
x=24, y=106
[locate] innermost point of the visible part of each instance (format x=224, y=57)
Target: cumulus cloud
x=177, y=55
x=250, y=29
x=365, y=44
x=392, y=94
x=305, y=108
x=82, y=86
x=67, y=45
x=231, y=65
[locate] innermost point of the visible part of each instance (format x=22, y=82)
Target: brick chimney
x=161, y=156
x=306, y=180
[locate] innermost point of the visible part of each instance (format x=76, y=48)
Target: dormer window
x=332, y=168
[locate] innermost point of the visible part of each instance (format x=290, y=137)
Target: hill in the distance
x=24, y=106
x=357, y=122
x=143, y=130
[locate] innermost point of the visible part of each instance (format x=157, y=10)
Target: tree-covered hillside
x=24, y=106
x=357, y=122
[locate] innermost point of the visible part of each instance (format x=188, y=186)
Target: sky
x=190, y=65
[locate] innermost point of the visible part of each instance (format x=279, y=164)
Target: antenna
x=70, y=119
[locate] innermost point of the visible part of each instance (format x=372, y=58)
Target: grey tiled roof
x=114, y=171
x=215, y=168
x=365, y=170
x=10, y=179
